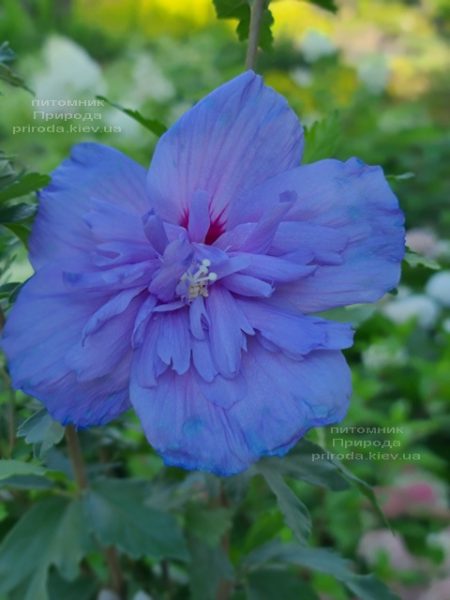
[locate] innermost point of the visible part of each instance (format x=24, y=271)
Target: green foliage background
x=368, y=79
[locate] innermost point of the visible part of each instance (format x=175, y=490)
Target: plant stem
x=226, y=587
x=76, y=457
x=115, y=570
x=79, y=469
x=10, y=414
x=256, y=15
x=10, y=410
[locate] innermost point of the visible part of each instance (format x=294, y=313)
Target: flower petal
x=44, y=325
x=358, y=240
x=174, y=345
x=99, y=352
x=295, y=333
x=92, y=172
x=226, y=331
x=233, y=139
x=275, y=401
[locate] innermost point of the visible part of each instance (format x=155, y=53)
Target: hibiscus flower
x=190, y=291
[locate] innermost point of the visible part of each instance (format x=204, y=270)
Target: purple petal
x=140, y=323
x=309, y=393
x=93, y=172
x=198, y=318
x=232, y=140
x=199, y=220
x=112, y=308
x=275, y=269
x=202, y=359
x=98, y=353
x=43, y=327
x=295, y=333
x=174, y=345
x=147, y=364
x=358, y=240
x=226, y=331
x=155, y=232
x=245, y=285
x=225, y=426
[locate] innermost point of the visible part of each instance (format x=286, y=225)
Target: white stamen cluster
x=197, y=282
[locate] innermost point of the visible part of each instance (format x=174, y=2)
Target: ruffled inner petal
x=226, y=425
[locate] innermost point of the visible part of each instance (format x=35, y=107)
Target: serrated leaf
x=295, y=513
x=366, y=587
x=208, y=524
x=330, y=471
x=303, y=463
x=418, y=260
x=208, y=568
x=51, y=533
x=31, y=182
x=276, y=584
x=41, y=431
x=118, y=515
x=240, y=10
x=10, y=468
x=365, y=490
x=322, y=139
x=152, y=125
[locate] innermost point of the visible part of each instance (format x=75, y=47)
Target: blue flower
x=189, y=291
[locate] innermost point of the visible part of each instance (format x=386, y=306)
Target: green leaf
x=51, y=533
x=308, y=463
x=7, y=54
x=10, y=468
x=208, y=567
x=118, y=515
x=41, y=431
x=366, y=490
x=240, y=10
x=325, y=471
x=9, y=290
x=31, y=182
x=295, y=513
x=418, y=260
x=20, y=230
x=26, y=482
x=83, y=588
x=325, y=4
x=152, y=125
x=276, y=584
x=366, y=587
x=208, y=524
x=6, y=73
x=322, y=139
x=7, y=173
x=16, y=213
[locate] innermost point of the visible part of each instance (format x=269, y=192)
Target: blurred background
x=378, y=72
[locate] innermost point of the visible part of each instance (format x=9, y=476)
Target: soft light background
x=384, y=66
